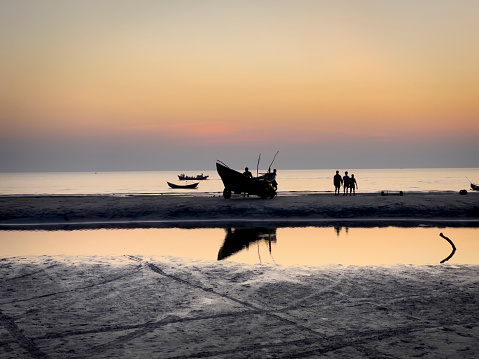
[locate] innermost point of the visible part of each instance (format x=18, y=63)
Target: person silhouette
x=247, y=173
x=272, y=179
x=338, y=181
x=353, y=184
x=345, y=183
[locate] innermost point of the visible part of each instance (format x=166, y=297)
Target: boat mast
x=269, y=168
x=257, y=166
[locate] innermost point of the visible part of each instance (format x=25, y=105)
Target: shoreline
x=182, y=211
x=219, y=194
x=247, y=223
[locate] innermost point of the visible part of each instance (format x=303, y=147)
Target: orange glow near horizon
x=384, y=105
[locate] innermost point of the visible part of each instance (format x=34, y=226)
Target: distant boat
x=474, y=186
x=185, y=186
x=183, y=177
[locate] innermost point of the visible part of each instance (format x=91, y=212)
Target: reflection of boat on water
x=183, y=177
x=355, y=248
x=185, y=186
x=236, y=182
x=239, y=239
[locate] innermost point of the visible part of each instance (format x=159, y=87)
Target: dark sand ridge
x=184, y=211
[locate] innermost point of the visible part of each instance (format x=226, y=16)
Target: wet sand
x=131, y=307
x=184, y=211
x=134, y=307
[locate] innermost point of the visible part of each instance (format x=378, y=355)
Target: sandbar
x=196, y=211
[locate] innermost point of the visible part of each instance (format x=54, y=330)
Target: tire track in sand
x=26, y=343
x=106, y=281
x=148, y=327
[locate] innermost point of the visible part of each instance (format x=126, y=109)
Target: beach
x=125, y=124
x=133, y=307
x=168, y=307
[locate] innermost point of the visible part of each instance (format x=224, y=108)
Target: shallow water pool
x=304, y=246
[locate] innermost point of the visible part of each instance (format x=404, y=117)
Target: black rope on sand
x=453, y=248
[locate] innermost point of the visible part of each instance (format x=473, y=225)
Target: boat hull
x=186, y=186
x=236, y=182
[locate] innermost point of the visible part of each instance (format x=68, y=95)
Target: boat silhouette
x=185, y=186
x=237, y=239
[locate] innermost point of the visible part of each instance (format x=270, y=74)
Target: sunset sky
x=94, y=85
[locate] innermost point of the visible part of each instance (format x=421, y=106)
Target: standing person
x=338, y=181
x=345, y=183
x=353, y=185
x=247, y=173
x=270, y=177
x=273, y=180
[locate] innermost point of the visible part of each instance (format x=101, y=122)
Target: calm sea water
x=290, y=182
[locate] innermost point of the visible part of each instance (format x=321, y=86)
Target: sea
x=290, y=182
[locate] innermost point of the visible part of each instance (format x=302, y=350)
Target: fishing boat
x=236, y=182
x=184, y=186
x=183, y=177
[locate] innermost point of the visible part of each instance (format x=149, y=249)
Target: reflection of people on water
x=338, y=181
x=338, y=229
x=247, y=173
x=238, y=239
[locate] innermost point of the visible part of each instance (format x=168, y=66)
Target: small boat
x=474, y=186
x=236, y=182
x=183, y=177
x=184, y=186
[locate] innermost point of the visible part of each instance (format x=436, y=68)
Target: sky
x=112, y=85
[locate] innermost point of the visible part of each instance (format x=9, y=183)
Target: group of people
x=349, y=184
